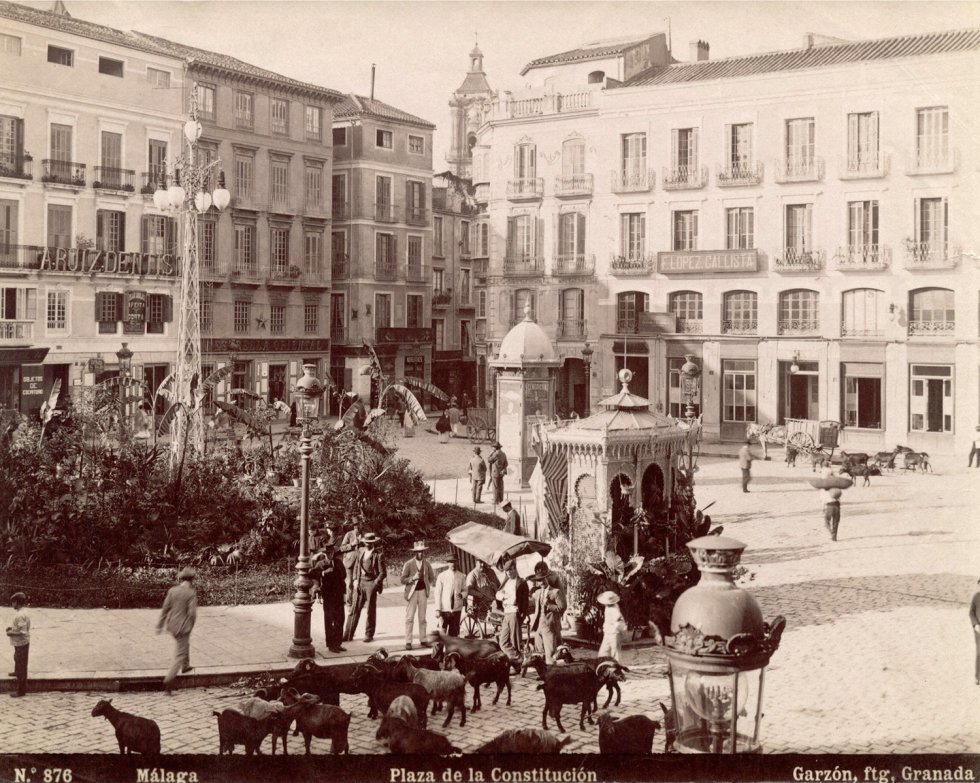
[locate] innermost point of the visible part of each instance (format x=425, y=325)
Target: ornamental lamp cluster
x=173, y=198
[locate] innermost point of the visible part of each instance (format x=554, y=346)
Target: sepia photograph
x=383, y=386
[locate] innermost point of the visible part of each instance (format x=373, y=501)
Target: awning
x=22, y=355
x=491, y=546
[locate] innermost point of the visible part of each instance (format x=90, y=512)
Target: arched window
x=597, y=77
x=741, y=313
x=573, y=157
x=571, y=318
x=798, y=312
x=687, y=306
x=629, y=305
x=932, y=311
x=525, y=161
x=862, y=313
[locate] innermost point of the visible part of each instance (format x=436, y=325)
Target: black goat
x=324, y=721
x=632, y=734
x=444, y=644
x=382, y=692
x=563, y=654
x=321, y=681
x=575, y=684
x=524, y=741
x=133, y=733
x=405, y=739
x=494, y=669
x=402, y=708
x=234, y=728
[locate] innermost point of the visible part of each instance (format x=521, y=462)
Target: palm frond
x=419, y=385
x=167, y=419
x=245, y=392
x=412, y=405
x=215, y=378
x=166, y=388
x=238, y=414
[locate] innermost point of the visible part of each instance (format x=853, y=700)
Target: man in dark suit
x=512, y=523
x=497, y=464
x=369, y=580
x=329, y=574
x=478, y=474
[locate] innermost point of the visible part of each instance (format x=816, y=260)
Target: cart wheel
x=473, y=433
x=491, y=434
x=801, y=441
x=470, y=628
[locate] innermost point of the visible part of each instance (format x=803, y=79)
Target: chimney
x=699, y=51
x=372, y=81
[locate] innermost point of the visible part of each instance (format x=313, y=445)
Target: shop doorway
x=277, y=383
x=799, y=394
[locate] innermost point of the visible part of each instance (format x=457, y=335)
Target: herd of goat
x=403, y=690
x=859, y=464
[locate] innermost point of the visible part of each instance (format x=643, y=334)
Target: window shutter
x=808, y=227
x=511, y=239
x=694, y=230
x=18, y=138
x=394, y=249
x=580, y=234
x=945, y=237
x=873, y=134
x=917, y=220
x=642, y=245
x=170, y=233
x=100, y=229
x=145, y=234
x=168, y=308
x=99, y=304
x=675, y=141
x=532, y=298
x=693, y=156
x=119, y=301
x=729, y=147
x=538, y=224
x=410, y=205
x=122, y=232
x=30, y=305
x=852, y=139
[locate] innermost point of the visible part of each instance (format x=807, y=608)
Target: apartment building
x=87, y=115
x=802, y=222
x=381, y=243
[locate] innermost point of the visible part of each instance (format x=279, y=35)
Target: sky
x=421, y=48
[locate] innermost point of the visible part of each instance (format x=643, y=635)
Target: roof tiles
x=359, y=106
x=583, y=53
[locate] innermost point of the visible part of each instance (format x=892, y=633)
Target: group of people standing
x=489, y=473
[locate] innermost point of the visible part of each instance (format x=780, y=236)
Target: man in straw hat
x=178, y=615
x=549, y=605
x=612, y=625
x=497, y=464
x=419, y=579
x=449, y=597
x=369, y=581
x=513, y=598
x=348, y=548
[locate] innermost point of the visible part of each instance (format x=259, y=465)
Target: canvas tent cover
x=482, y=542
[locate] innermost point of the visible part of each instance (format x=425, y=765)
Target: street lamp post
x=690, y=372
x=308, y=391
x=587, y=360
x=125, y=359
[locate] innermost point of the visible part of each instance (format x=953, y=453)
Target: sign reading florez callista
x=85, y=261
x=698, y=261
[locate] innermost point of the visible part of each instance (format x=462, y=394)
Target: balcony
x=281, y=203
x=572, y=328
x=931, y=327
x=685, y=178
x=740, y=326
x=931, y=255
x=416, y=273
x=442, y=297
x=863, y=258
x=385, y=213
x=573, y=185
x=340, y=210
x=850, y=330
x=338, y=334
x=244, y=273
x=690, y=326
x=865, y=166
x=211, y=268
x=385, y=270
x=404, y=334
x=556, y=103
x=17, y=166
x=933, y=162
x=109, y=178
x=481, y=193
x=628, y=325
x=313, y=277
x=339, y=266
x=416, y=216
x=16, y=330
x=631, y=264
x=480, y=267
x=151, y=180
x=63, y=172
x=739, y=175
x=632, y=180
x=573, y=264
x=282, y=275
x=798, y=326
x=796, y=170
x=525, y=189
x=794, y=259
x=523, y=266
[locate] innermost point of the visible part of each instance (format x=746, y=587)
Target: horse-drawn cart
x=481, y=425
x=806, y=436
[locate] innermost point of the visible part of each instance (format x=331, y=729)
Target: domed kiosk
x=524, y=394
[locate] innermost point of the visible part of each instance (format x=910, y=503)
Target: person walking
x=478, y=474
x=449, y=597
x=348, y=548
x=975, y=449
x=831, y=510
x=513, y=597
x=512, y=523
x=497, y=466
x=330, y=577
x=443, y=427
x=975, y=622
x=369, y=580
x=745, y=463
x=178, y=615
x=612, y=625
x=419, y=579
x=549, y=605
x=19, y=634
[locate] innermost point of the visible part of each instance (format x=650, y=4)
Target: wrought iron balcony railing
x=244, y=271
x=800, y=170
x=338, y=333
x=863, y=258
x=16, y=330
x=525, y=188
x=442, y=297
x=627, y=326
x=63, y=172
x=385, y=213
x=867, y=165
x=690, y=326
x=628, y=264
x=416, y=272
x=340, y=266
x=281, y=274
x=211, y=267
x=572, y=328
x=798, y=326
x=523, y=265
x=415, y=216
x=385, y=270
x=16, y=166
x=738, y=175
x=340, y=210
x=573, y=264
x=740, y=326
x=573, y=185
x=933, y=162
x=108, y=178
x=686, y=177
x=927, y=327
x=794, y=259
x=852, y=330
x=632, y=180
x=931, y=255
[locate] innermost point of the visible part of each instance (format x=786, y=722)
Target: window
x=158, y=78
x=484, y=239
x=521, y=239
x=207, y=242
x=242, y=316
x=19, y=304
x=311, y=318
x=205, y=101
x=481, y=303
x=686, y=230
x=414, y=258
x=279, y=260
x=414, y=311
x=382, y=311
x=384, y=256
x=10, y=44
x=524, y=299
x=931, y=220
x=862, y=313
x=571, y=242
x=800, y=146
x=338, y=327
x=932, y=136
x=110, y=67
x=799, y=221
x=108, y=311
x=931, y=398
x=60, y=56
x=629, y=305
x=862, y=401
x=862, y=231
x=338, y=253
x=279, y=109
x=464, y=286
x=314, y=186
x=244, y=248
x=243, y=176
x=415, y=198
x=383, y=139
x=382, y=199
x=277, y=319
x=633, y=227
x=438, y=280
x=525, y=161
x=207, y=155
x=740, y=313
x=571, y=316
x=684, y=155
x=159, y=312
x=738, y=381
x=8, y=229
x=313, y=122
x=688, y=307
x=340, y=137
x=464, y=237
x=207, y=314
x=573, y=158
x=438, y=249
x=799, y=312
x=338, y=197
x=158, y=235
x=11, y=146
x=862, y=143
x=313, y=252
x=738, y=149
x=110, y=230
x=156, y=163
x=280, y=183
x=59, y=226
x=416, y=144
x=739, y=228
x=439, y=333
x=61, y=145
x=634, y=157
x=243, y=110
x=933, y=311
x=111, y=151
